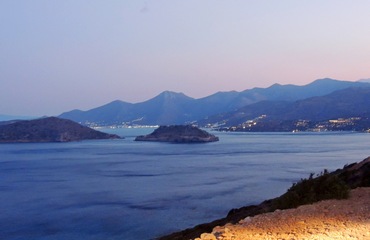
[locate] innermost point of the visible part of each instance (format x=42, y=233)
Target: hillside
x=334, y=185
x=166, y=108
x=49, y=129
x=176, y=108
x=346, y=103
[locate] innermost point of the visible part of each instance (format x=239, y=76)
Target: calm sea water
x=121, y=189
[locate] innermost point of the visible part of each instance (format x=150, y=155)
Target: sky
x=56, y=56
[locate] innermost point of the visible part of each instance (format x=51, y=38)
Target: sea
x=122, y=189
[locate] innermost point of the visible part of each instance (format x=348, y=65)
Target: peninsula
x=178, y=134
x=50, y=129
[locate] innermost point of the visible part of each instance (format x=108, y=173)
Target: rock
x=50, y=129
x=207, y=236
x=178, y=134
x=246, y=220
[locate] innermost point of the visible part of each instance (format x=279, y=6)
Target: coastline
x=324, y=220
x=354, y=175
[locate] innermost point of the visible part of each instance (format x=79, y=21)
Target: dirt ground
x=331, y=219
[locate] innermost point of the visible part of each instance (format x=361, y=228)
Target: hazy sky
x=56, y=56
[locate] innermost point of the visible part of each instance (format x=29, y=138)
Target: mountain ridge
x=177, y=108
x=345, y=103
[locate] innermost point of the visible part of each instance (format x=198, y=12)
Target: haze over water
x=121, y=189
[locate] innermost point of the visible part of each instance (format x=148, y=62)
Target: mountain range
x=345, y=103
x=281, y=101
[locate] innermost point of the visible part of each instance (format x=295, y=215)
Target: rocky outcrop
x=50, y=129
x=179, y=134
x=325, y=220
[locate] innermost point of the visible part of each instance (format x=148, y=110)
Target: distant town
x=261, y=124
x=264, y=124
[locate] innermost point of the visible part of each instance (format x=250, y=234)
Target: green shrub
x=324, y=186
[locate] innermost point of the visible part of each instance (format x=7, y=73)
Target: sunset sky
x=56, y=56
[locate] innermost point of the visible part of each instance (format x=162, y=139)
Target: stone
x=207, y=236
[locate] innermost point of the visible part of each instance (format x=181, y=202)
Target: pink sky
x=60, y=55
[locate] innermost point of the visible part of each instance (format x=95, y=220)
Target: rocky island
x=179, y=134
x=50, y=129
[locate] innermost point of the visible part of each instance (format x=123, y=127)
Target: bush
x=307, y=191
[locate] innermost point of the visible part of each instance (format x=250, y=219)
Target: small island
x=49, y=129
x=179, y=134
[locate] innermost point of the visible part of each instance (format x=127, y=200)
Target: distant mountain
x=176, y=108
x=49, y=129
x=366, y=80
x=114, y=112
x=4, y=117
x=228, y=101
x=290, y=92
x=166, y=108
x=350, y=102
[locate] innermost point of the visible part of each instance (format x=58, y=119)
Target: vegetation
x=307, y=191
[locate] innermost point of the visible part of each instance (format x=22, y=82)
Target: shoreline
x=354, y=175
x=343, y=219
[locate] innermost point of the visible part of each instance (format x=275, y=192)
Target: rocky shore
x=347, y=219
x=319, y=217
